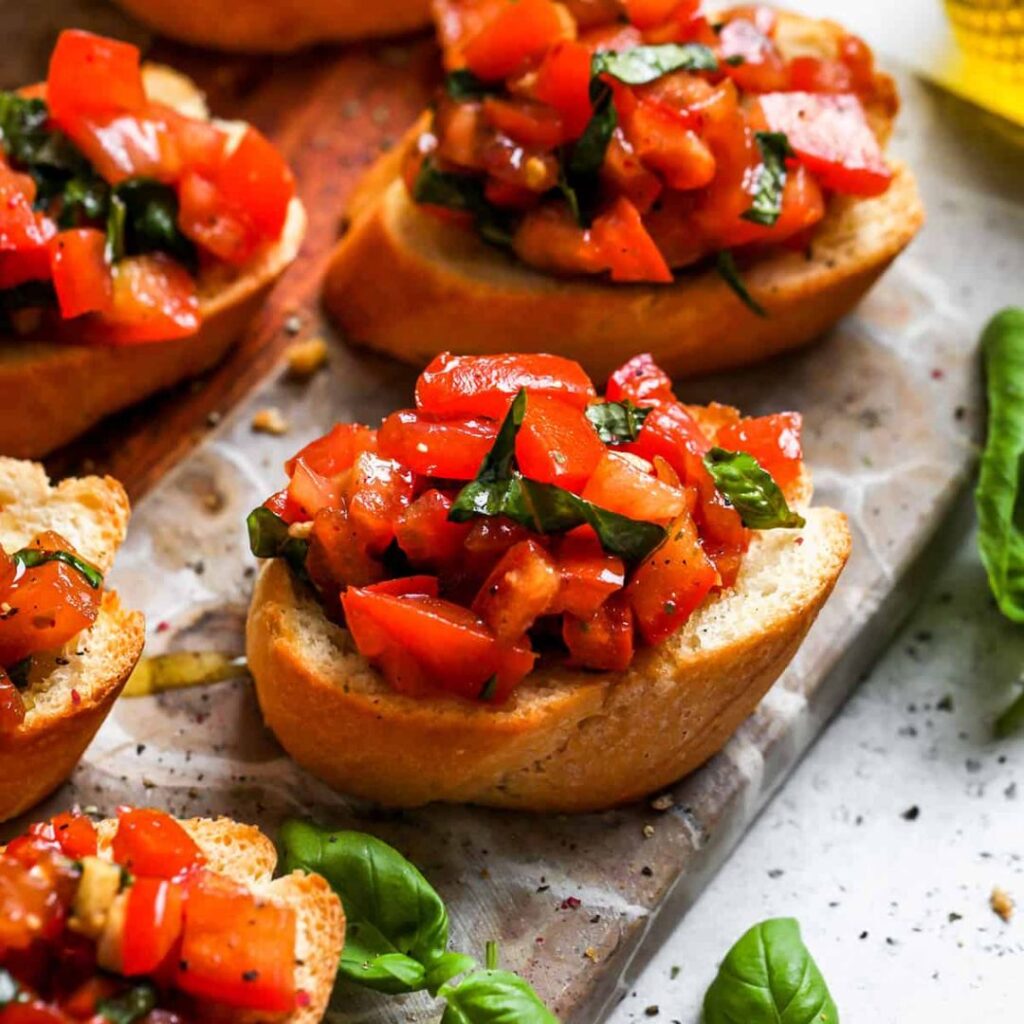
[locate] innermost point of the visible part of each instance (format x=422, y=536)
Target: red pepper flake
x=569, y=903
x=938, y=374
x=302, y=999
x=540, y=940
x=76, y=698
x=162, y=627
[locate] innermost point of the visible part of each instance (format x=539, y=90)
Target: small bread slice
x=71, y=690
x=404, y=282
x=54, y=392
x=566, y=740
x=244, y=854
x=278, y=26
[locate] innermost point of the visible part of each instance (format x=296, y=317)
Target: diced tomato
x=236, y=950
x=24, y=232
x=857, y=56
x=626, y=247
x=12, y=707
x=448, y=646
x=426, y=535
x=74, y=834
x=831, y=135
x=81, y=274
x=603, y=640
x=122, y=146
x=750, y=57
x=773, y=440
x=813, y=74
x=589, y=574
x=623, y=172
x=153, y=844
x=203, y=217
x=256, y=179
x=622, y=483
x=518, y=31
x=311, y=491
x=200, y=144
x=563, y=82
x=378, y=490
x=35, y=1012
x=84, y=1001
x=283, y=506
x=530, y=124
x=91, y=74
x=550, y=238
x=152, y=924
x=521, y=588
x=651, y=13
x=452, y=449
x=406, y=586
x=502, y=193
x=153, y=299
x=30, y=903
x=672, y=582
x=641, y=381
x=486, y=385
x=338, y=556
x=336, y=450
x=557, y=444
x=664, y=139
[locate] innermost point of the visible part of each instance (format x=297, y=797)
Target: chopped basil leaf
x=1010, y=720
x=617, y=422
x=32, y=557
x=130, y=1006
x=117, y=216
x=490, y=688
x=10, y=990
x=151, y=220
x=18, y=672
x=28, y=142
x=582, y=162
x=269, y=538
x=750, y=490
x=84, y=200
x=464, y=85
x=770, y=180
x=465, y=193
x=736, y=60
x=643, y=64
x=726, y=267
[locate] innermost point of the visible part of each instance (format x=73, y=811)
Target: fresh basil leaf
x=750, y=490
x=269, y=538
x=500, y=461
x=151, y=220
x=727, y=269
x=464, y=85
x=769, y=977
x=999, y=496
x=617, y=422
x=84, y=200
x=771, y=178
x=18, y=672
x=494, y=997
x=1009, y=721
x=642, y=64
x=29, y=143
x=130, y=1006
x=396, y=935
x=29, y=558
x=579, y=180
x=465, y=193
x=10, y=990
x=117, y=216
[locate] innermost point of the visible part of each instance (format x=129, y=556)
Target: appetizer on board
x=137, y=238
x=522, y=594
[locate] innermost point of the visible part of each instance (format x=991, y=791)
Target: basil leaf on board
x=396, y=935
x=269, y=538
x=151, y=220
x=494, y=997
x=617, y=422
x=642, y=64
x=465, y=193
x=10, y=990
x=999, y=496
x=769, y=977
x=29, y=558
x=728, y=271
x=130, y=1006
x=750, y=490
x=464, y=85
x=770, y=182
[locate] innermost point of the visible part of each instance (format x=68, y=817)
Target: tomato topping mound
x=515, y=517
x=587, y=144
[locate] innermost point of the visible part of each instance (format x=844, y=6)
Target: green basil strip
x=464, y=85
x=29, y=558
x=465, y=193
x=643, y=64
x=1011, y=720
x=117, y=216
x=494, y=997
x=29, y=142
x=130, y=1006
x=582, y=162
x=767, y=977
x=617, y=422
x=84, y=200
x=771, y=178
x=10, y=990
x=750, y=490
x=269, y=538
x=726, y=267
x=18, y=672
x=999, y=496
x=396, y=937
x=151, y=220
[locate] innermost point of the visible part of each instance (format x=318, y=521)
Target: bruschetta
x=278, y=26
x=137, y=238
x=523, y=595
x=592, y=174
x=67, y=645
x=144, y=917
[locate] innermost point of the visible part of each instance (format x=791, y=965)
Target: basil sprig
x=464, y=193
x=750, y=490
x=269, y=538
x=129, y=1006
x=501, y=490
x=29, y=558
x=640, y=65
x=494, y=997
x=770, y=976
x=617, y=422
x=725, y=264
x=770, y=182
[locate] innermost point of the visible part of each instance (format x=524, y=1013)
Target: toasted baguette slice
x=278, y=26
x=408, y=284
x=244, y=854
x=566, y=740
x=72, y=690
x=54, y=392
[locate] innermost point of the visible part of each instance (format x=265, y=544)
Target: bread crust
x=566, y=740
x=406, y=283
x=278, y=26
x=55, y=391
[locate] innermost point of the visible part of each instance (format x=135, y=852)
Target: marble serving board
x=891, y=408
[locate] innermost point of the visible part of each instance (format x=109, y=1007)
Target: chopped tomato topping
x=406, y=586
x=627, y=248
x=12, y=707
x=311, y=491
x=378, y=490
x=335, y=451
x=641, y=381
x=81, y=274
x=451, y=449
x=73, y=834
x=152, y=924
x=604, y=639
x=589, y=575
x=122, y=146
x=625, y=484
x=426, y=535
x=152, y=843
x=773, y=440
x=557, y=443
x=563, y=82
x=521, y=588
x=531, y=124
x=338, y=556
x=651, y=13
x=516, y=32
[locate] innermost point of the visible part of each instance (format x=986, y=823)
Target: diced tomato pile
x=79, y=927
x=466, y=602
x=231, y=195
x=674, y=179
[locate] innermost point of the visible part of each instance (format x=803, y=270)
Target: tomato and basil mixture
x=111, y=203
x=48, y=595
x=635, y=137
x=144, y=932
x=514, y=515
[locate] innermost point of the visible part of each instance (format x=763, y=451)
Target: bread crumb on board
x=1001, y=903
x=306, y=357
x=270, y=421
